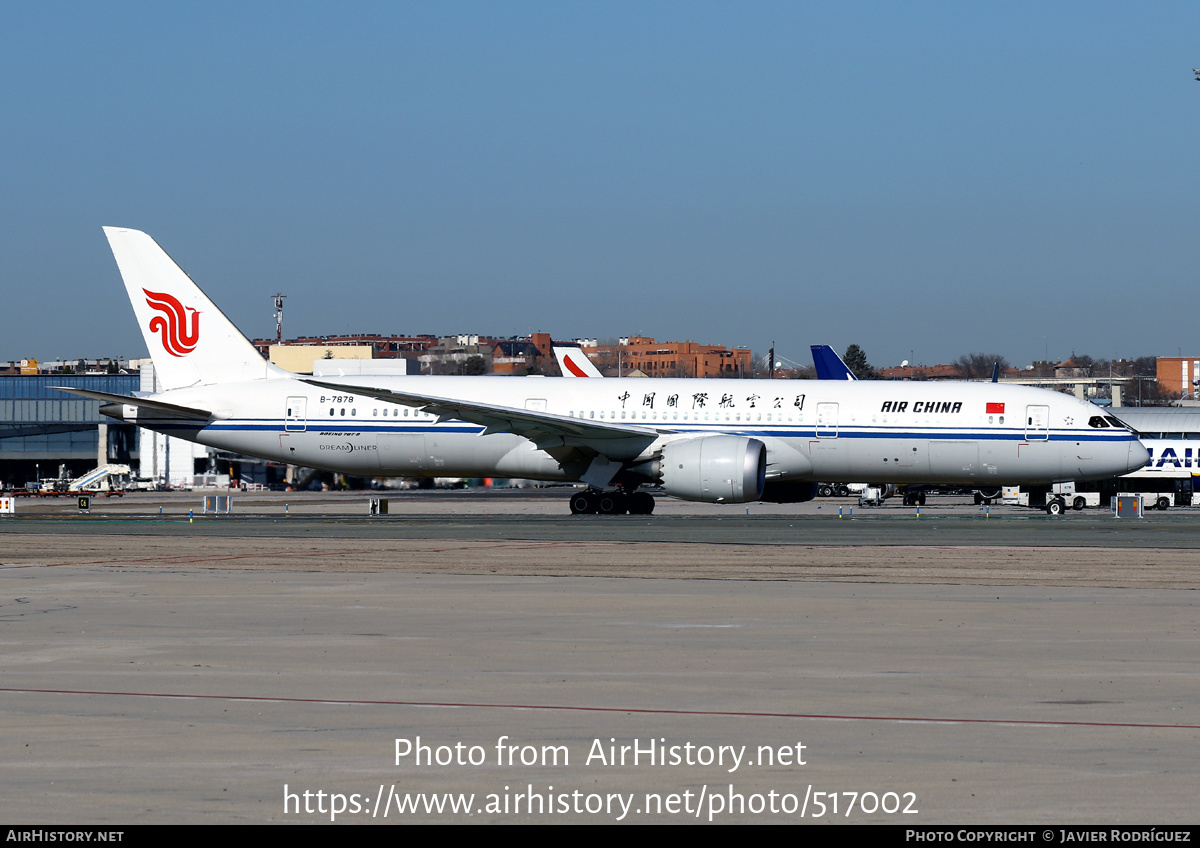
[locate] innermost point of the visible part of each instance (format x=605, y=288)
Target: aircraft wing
x=169, y=409
x=541, y=427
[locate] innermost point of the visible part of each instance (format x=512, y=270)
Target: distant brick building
x=1178, y=376
x=670, y=359
x=382, y=347
x=534, y=353
x=921, y=372
x=518, y=356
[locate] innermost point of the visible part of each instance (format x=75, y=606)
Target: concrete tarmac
x=1010, y=669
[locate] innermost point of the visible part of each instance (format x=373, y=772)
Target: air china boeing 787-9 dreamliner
x=712, y=440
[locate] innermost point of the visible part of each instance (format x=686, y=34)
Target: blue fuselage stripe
x=946, y=433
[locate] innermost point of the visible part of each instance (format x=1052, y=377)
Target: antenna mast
x=279, y=317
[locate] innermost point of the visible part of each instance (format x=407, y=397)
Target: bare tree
x=978, y=366
x=607, y=359
x=681, y=369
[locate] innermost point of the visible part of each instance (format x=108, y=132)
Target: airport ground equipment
x=217, y=504
x=1127, y=505
x=97, y=476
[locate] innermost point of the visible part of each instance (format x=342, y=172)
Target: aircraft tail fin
x=573, y=362
x=189, y=338
x=829, y=365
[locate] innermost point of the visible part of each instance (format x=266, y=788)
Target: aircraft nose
x=1138, y=455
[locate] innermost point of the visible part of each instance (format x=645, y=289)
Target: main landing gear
x=612, y=502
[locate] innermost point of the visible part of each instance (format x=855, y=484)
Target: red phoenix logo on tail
x=177, y=338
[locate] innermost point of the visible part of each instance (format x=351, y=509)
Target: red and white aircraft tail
x=190, y=340
x=573, y=362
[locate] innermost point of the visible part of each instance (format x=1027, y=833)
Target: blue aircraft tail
x=829, y=364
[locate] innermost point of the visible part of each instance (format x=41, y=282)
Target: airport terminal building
x=41, y=428
x=46, y=434
x=1172, y=435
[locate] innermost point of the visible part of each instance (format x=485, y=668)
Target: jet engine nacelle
x=714, y=469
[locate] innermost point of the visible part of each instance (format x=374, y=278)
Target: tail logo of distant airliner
x=178, y=339
x=573, y=368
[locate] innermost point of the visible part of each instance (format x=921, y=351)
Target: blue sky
x=922, y=179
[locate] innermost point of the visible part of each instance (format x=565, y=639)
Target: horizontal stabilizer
x=169, y=409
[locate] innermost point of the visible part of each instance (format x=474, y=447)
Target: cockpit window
x=1116, y=422
x=1097, y=421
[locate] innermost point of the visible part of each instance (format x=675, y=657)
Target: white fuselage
x=987, y=434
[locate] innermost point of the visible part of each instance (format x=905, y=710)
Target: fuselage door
x=295, y=418
x=1037, y=423
x=827, y=420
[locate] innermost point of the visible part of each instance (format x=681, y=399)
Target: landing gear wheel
x=921, y=499
x=612, y=503
x=825, y=491
x=1079, y=503
x=641, y=503
x=1055, y=506
x=583, y=503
